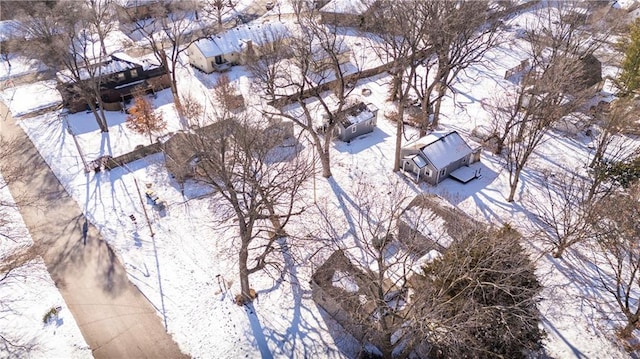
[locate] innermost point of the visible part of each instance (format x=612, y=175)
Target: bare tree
x=406, y=52
x=218, y=9
x=616, y=233
x=61, y=38
x=239, y=159
x=459, y=33
x=564, y=211
x=169, y=31
x=257, y=181
x=101, y=18
x=319, y=64
x=558, y=83
x=611, y=146
x=617, y=120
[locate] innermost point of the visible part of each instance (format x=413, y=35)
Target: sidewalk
x=116, y=320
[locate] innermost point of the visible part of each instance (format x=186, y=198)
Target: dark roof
x=591, y=70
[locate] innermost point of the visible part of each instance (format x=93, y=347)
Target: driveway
x=116, y=320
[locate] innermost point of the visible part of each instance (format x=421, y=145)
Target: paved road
x=116, y=320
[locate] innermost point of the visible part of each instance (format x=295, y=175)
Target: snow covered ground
x=188, y=270
x=26, y=295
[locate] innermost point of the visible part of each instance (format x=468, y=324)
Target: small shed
x=220, y=52
x=356, y=120
x=434, y=157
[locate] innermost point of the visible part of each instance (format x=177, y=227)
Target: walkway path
x=116, y=320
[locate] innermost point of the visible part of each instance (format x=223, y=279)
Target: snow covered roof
x=9, y=29
x=235, y=40
x=354, y=7
x=356, y=113
x=118, y=62
x=442, y=148
x=318, y=49
x=135, y=3
x=428, y=223
x=418, y=160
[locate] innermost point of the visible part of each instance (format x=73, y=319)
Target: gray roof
x=442, y=148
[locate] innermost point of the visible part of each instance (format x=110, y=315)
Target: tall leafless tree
x=61, y=37
x=239, y=160
x=168, y=32
x=610, y=144
x=557, y=84
x=101, y=17
x=403, y=46
x=459, y=33
x=256, y=180
x=564, y=211
x=317, y=67
x=616, y=233
x=219, y=9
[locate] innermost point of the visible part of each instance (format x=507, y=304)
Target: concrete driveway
x=116, y=320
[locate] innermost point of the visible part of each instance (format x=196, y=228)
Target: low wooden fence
x=109, y=163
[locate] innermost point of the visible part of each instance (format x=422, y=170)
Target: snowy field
x=27, y=293
x=192, y=252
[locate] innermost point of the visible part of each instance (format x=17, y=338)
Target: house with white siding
x=221, y=51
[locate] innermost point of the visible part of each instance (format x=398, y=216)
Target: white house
x=229, y=48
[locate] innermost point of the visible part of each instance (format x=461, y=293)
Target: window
x=354, y=129
x=121, y=76
x=442, y=172
x=134, y=73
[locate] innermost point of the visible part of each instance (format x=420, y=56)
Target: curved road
x=116, y=320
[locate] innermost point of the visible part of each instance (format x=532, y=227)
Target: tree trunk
x=243, y=257
x=173, y=81
x=436, y=111
x=513, y=185
x=396, y=86
x=500, y=144
x=425, y=106
x=399, y=127
x=559, y=251
x=628, y=329
x=324, y=154
x=101, y=122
